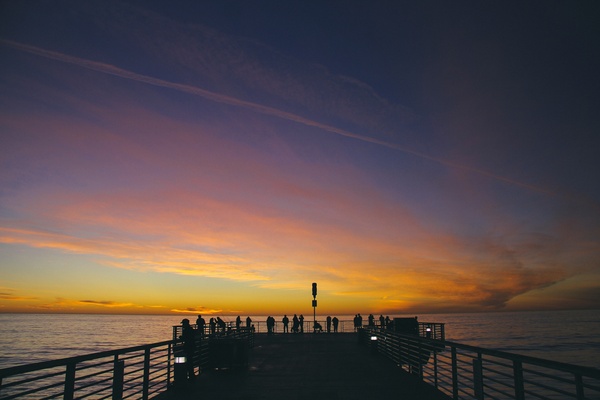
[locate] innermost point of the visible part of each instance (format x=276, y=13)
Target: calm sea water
x=566, y=336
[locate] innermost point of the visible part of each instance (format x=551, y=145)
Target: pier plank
x=308, y=366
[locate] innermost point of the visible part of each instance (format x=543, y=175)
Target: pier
x=308, y=366
x=411, y=360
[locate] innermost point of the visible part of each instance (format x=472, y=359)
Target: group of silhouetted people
x=332, y=322
x=297, y=324
x=217, y=325
x=384, y=323
x=189, y=335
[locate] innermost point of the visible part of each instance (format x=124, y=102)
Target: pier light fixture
x=373, y=337
x=314, y=304
x=179, y=370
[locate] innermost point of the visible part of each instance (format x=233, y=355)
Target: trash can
x=180, y=370
x=374, y=343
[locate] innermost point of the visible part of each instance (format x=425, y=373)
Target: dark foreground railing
x=139, y=372
x=468, y=372
x=458, y=370
x=134, y=372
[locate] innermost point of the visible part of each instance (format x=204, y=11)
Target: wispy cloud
x=398, y=276
x=105, y=303
x=196, y=311
x=266, y=110
x=141, y=256
x=11, y=296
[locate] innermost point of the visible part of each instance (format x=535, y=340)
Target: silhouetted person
x=296, y=323
x=238, y=323
x=371, y=320
x=221, y=324
x=355, y=322
x=328, y=324
x=270, y=324
x=189, y=346
x=200, y=324
x=388, y=322
x=248, y=322
x=301, y=319
x=317, y=327
x=359, y=320
x=381, y=322
x=286, y=322
x=213, y=326
x=335, y=322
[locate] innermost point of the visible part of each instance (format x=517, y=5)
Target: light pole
x=314, y=304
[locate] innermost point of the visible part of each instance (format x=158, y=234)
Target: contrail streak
x=220, y=98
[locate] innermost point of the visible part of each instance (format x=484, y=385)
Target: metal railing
x=203, y=356
x=138, y=372
x=345, y=326
x=458, y=370
x=468, y=372
x=134, y=372
x=431, y=330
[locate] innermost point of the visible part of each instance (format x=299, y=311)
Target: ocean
x=566, y=336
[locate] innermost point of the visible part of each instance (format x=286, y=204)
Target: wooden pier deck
x=308, y=366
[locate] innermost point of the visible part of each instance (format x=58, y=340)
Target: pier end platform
x=307, y=366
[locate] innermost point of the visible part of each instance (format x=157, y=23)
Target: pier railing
x=458, y=370
x=139, y=372
x=468, y=372
x=225, y=349
x=135, y=372
x=426, y=329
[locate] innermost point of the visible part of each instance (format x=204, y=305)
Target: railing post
x=454, y=374
x=169, y=361
x=420, y=356
x=146, y=384
x=118, y=373
x=478, y=377
x=69, y=392
x=518, y=376
x=399, y=350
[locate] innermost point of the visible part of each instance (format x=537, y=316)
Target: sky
x=217, y=157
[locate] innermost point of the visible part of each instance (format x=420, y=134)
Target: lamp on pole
x=314, y=304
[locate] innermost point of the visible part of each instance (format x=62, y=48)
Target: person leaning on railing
x=189, y=346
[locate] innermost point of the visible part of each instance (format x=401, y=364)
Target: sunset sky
x=220, y=156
